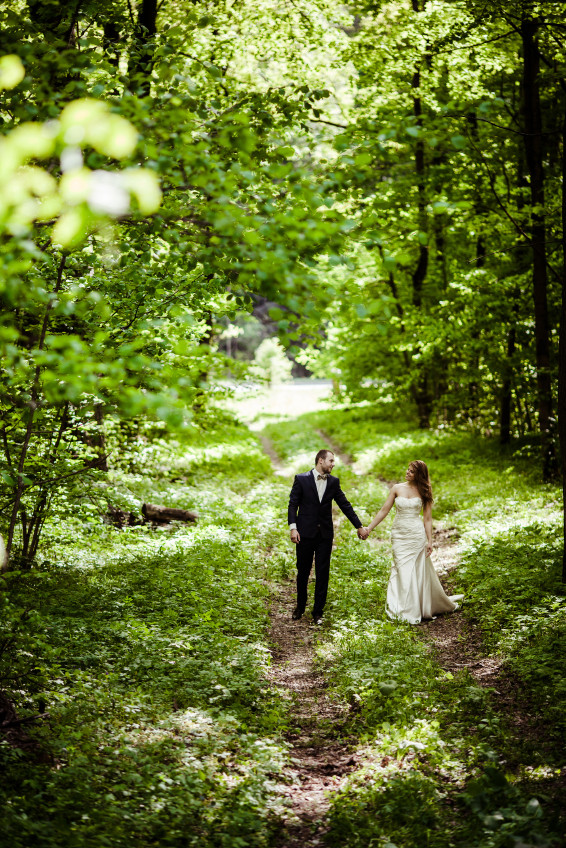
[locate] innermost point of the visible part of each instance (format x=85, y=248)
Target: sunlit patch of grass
x=148, y=649
x=435, y=749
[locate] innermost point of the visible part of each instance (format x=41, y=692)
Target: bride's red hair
x=421, y=480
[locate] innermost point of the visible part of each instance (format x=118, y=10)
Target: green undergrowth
x=443, y=765
x=145, y=650
x=438, y=758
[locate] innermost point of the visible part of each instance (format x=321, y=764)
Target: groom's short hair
x=322, y=455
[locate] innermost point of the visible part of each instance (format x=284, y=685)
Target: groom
x=310, y=523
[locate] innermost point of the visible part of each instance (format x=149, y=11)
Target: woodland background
x=378, y=185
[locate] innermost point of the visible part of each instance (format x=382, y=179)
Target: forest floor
x=322, y=751
x=156, y=676
x=327, y=750
x=319, y=753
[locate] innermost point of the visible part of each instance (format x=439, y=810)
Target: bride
x=414, y=591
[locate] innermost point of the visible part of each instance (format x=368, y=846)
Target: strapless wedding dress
x=414, y=591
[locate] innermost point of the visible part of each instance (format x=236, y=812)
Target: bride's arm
x=427, y=518
x=383, y=511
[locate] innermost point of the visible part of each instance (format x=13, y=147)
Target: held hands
x=363, y=533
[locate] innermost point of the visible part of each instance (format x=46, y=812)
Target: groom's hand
x=295, y=537
x=363, y=533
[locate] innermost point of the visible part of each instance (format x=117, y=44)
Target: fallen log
x=164, y=514
x=120, y=518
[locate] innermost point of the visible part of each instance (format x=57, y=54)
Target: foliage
x=121, y=321
x=439, y=758
x=145, y=649
x=270, y=362
x=440, y=303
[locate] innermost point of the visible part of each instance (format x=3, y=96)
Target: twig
x=477, y=44
x=15, y=721
x=500, y=126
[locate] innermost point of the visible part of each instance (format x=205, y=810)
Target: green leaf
x=144, y=185
x=252, y=237
x=71, y=228
x=362, y=159
x=12, y=71
x=285, y=152
x=459, y=142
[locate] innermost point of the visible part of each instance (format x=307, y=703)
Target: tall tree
x=533, y=137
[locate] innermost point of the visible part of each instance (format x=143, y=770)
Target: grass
x=147, y=650
x=443, y=765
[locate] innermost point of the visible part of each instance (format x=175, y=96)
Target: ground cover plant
x=510, y=527
x=145, y=649
x=443, y=765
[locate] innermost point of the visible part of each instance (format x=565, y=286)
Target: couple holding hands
x=414, y=591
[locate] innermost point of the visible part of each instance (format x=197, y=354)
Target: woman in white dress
x=414, y=591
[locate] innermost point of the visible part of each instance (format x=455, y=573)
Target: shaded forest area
x=382, y=184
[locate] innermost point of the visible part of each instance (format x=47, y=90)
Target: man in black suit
x=312, y=530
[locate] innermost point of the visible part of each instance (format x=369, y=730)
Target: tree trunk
x=534, y=155
x=421, y=390
x=562, y=349
x=141, y=55
x=33, y=405
x=111, y=42
x=506, y=398
x=419, y=273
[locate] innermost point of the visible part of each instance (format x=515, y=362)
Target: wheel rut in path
x=457, y=644
x=321, y=757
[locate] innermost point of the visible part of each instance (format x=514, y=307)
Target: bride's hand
x=428, y=548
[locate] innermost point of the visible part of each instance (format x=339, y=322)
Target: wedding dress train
x=414, y=591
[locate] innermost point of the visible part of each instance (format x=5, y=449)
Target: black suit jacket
x=310, y=514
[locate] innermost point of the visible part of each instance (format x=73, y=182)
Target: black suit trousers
x=320, y=548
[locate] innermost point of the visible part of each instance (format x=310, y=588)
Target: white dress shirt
x=321, y=489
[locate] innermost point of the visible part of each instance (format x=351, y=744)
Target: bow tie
x=322, y=477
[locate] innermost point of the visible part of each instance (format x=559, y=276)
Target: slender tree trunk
x=421, y=390
x=401, y=314
x=33, y=406
x=506, y=397
x=419, y=274
x=41, y=509
x=534, y=155
x=508, y=375
x=142, y=53
x=111, y=42
x=562, y=348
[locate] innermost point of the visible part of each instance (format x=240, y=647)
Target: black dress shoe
x=317, y=619
x=297, y=614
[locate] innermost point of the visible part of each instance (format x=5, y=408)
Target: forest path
x=456, y=642
x=320, y=754
x=322, y=751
